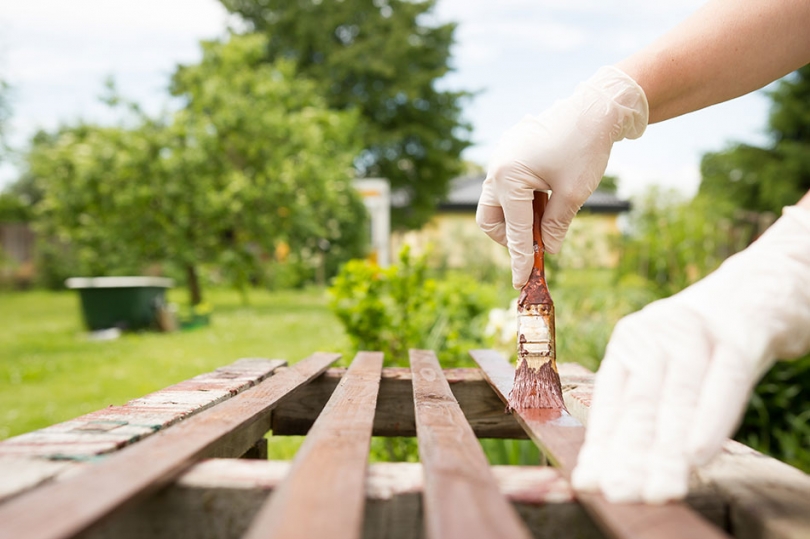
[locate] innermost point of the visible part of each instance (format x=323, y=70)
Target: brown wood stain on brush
x=535, y=292
x=536, y=388
x=537, y=383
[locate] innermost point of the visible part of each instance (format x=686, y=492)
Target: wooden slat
x=560, y=436
x=65, y=508
x=461, y=496
x=18, y=474
x=767, y=499
x=216, y=498
x=325, y=492
x=110, y=429
x=482, y=408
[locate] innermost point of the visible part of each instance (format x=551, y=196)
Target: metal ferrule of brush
x=536, y=335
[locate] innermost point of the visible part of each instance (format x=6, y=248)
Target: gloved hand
x=565, y=149
x=676, y=375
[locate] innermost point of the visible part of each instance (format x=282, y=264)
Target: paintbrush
x=537, y=382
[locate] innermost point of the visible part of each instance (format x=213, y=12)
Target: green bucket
x=127, y=303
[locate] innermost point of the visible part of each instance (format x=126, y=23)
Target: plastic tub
x=127, y=303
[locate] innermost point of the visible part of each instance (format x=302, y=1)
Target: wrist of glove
x=565, y=150
x=677, y=374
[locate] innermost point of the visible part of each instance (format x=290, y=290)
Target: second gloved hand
x=565, y=150
x=676, y=375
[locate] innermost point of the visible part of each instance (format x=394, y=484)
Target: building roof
x=466, y=190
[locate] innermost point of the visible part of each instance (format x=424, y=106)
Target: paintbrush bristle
x=537, y=384
x=536, y=388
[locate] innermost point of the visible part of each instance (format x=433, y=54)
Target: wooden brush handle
x=535, y=291
x=538, y=208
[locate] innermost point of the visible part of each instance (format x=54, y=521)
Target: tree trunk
x=193, y=283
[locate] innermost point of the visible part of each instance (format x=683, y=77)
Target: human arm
x=724, y=50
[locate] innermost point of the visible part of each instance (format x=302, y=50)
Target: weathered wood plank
x=257, y=451
x=115, y=427
x=18, y=474
x=483, y=409
x=217, y=499
x=461, y=497
x=560, y=436
x=767, y=499
x=323, y=495
x=31, y=459
x=65, y=508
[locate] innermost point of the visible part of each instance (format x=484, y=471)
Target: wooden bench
x=166, y=465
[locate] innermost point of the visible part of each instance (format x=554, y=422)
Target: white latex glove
x=677, y=374
x=565, y=149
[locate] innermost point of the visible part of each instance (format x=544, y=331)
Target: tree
x=766, y=179
x=383, y=58
x=253, y=160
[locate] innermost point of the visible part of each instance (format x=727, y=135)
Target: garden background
x=242, y=192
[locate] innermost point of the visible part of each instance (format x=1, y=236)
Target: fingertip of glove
x=521, y=269
x=668, y=480
x=585, y=478
x=702, y=451
x=657, y=493
x=623, y=481
x=621, y=493
x=551, y=247
x=552, y=240
x=520, y=278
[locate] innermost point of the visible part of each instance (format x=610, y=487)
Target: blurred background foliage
x=218, y=181
x=768, y=178
x=327, y=91
x=382, y=59
x=409, y=306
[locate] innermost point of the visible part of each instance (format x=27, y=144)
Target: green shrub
x=777, y=421
x=512, y=452
x=588, y=303
x=673, y=242
x=402, y=307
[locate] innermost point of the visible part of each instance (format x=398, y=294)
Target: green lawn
x=50, y=371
